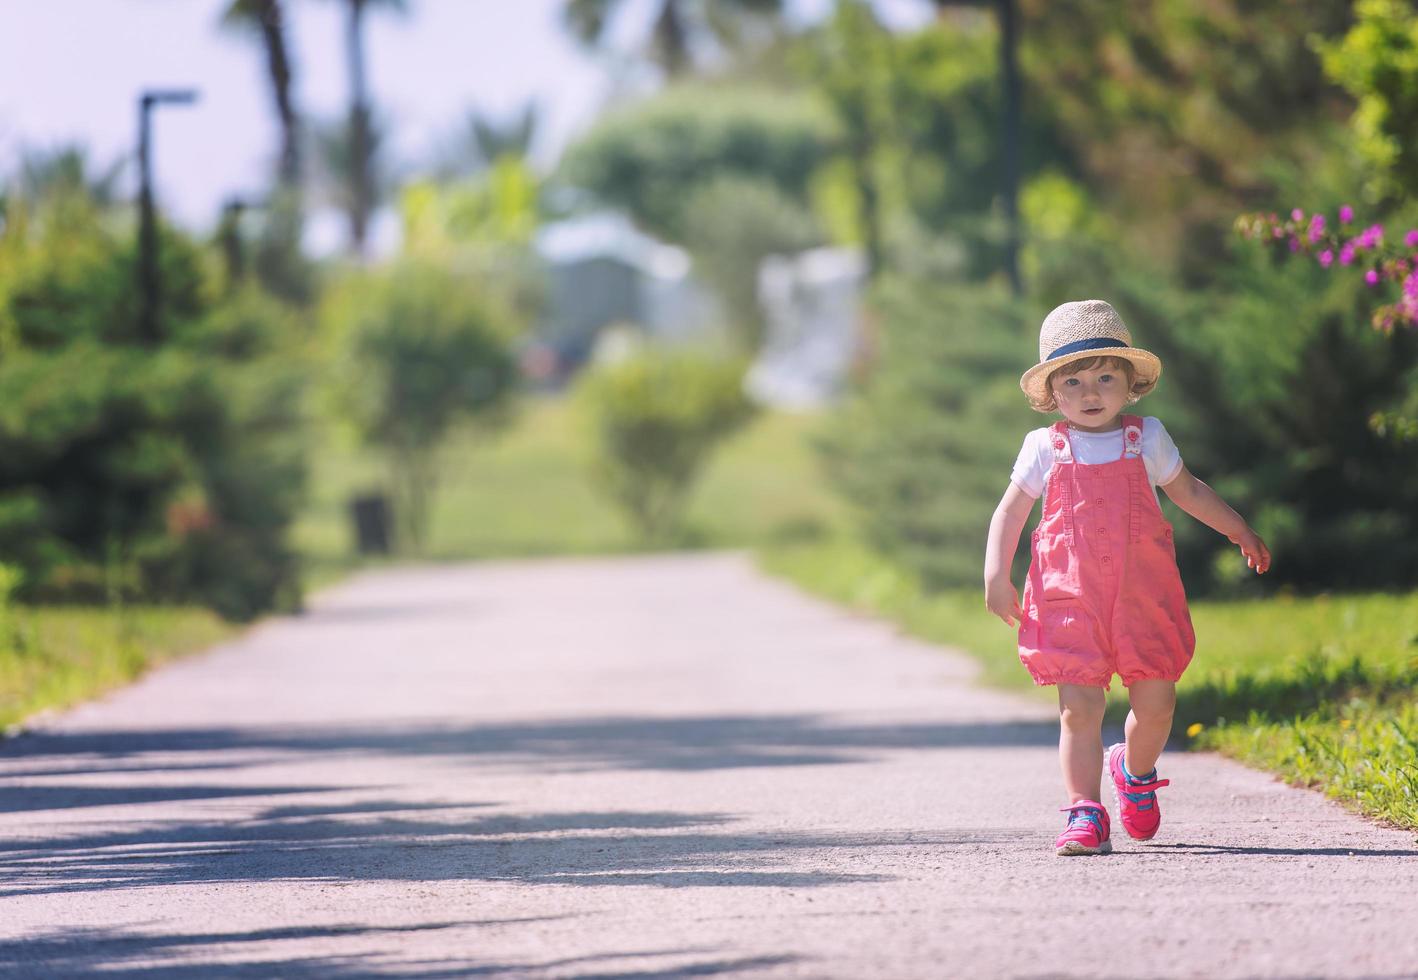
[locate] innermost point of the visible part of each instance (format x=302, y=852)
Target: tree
x=415, y=351
x=279, y=263
x=266, y=18
x=361, y=141
x=648, y=158
x=1180, y=115
x=680, y=25
x=65, y=173
x=480, y=142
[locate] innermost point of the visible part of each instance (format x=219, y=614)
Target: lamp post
x=149, y=285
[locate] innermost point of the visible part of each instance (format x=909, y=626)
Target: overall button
x=1106, y=559
x=1102, y=530
x=1100, y=500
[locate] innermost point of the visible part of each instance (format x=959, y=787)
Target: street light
x=149, y=286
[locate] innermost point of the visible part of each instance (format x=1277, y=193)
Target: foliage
x=924, y=449
x=481, y=142
x=167, y=472
x=733, y=224
x=650, y=157
x=1178, y=115
x=415, y=350
x=657, y=418
x=481, y=229
x=918, y=164
x=1377, y=63
x=682, y=29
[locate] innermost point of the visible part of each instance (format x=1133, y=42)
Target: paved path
x=637, y=768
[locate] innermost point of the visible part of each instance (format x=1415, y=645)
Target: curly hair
x=1137, y=387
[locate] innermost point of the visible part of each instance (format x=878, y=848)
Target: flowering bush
x=1367, y=248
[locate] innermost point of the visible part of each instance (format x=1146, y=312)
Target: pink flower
x=1371, y=277
x=1411, y=239
x=1297, y=215
x=1371, y=236
x=1346, y=214
x=1326, y=258
x=1294, y=244
x=1346, y=254
x=1316, y=227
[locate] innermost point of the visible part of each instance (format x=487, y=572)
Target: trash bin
x=371, y=515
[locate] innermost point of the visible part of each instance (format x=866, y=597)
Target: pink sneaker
x=1087, y=830
x=1137, y=798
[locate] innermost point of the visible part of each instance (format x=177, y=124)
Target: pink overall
x=1103, y=594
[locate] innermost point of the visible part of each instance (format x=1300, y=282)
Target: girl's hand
x=1257, y=554
x=1003, y=601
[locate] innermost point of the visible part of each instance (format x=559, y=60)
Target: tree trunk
x=278, y=68
x=361, y=194
x=670, y=38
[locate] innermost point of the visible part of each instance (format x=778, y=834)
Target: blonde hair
x=1136, y=387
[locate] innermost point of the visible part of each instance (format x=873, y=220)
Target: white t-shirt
x=1036, y=456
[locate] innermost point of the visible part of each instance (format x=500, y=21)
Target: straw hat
x=1088, y=328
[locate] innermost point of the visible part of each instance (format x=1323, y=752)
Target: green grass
x=54, y=657
x=1320, y=690
x=526, y=492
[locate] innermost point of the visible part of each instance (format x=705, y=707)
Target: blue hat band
x=1091, y=343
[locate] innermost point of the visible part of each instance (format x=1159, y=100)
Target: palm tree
x=480, y=142
x=362, y=141
x=676, y=24
x=267, y=18
x=46, y=174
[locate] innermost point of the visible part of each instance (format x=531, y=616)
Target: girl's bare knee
x=1081, y=707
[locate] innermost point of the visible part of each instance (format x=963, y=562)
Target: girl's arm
x=1000, y=595
x=1203, y=503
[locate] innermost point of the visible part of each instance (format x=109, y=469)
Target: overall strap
x=1060, y=479
x=1137, y=475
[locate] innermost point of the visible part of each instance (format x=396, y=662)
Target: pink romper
x=1103, y=593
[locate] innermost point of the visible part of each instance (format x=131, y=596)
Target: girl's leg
x=1149, y=723
x=1081, y=740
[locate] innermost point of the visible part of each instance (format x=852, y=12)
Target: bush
x=924, y=449
x=657, y=418
x=168, y=472
x=416, y=350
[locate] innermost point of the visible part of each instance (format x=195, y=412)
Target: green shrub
x=924, y=449
x=414, y=351
x=168, y=472
x=657, y=418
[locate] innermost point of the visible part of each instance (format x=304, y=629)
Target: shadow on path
x=1214, y=848
x=674, y=744
x=658, y=849
x=123, y=955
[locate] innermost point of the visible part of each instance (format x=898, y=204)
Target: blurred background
x=288, y=286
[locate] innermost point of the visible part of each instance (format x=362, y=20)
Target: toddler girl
x=1103, y=594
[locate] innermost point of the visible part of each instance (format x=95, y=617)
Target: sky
x=71, y=72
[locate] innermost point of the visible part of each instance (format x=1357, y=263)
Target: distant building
x=603, y=272
x=812, y=304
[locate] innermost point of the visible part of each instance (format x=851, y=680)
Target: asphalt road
x=642, y=767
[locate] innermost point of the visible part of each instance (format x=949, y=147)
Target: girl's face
x=1093, y=398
